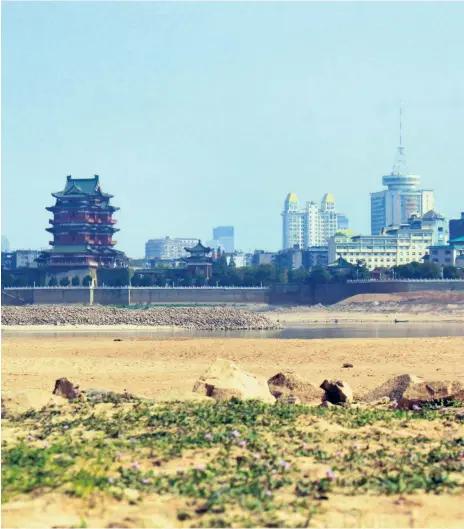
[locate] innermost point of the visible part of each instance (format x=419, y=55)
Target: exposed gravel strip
x=200, y=318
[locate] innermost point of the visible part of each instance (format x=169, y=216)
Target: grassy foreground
x=241, y=464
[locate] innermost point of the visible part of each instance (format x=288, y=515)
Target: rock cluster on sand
x=224, y=380
x=409, y=391
x=197, y=318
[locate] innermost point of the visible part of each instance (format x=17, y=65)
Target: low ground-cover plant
x=236, y=462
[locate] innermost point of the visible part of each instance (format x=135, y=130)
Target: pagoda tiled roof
x=82, y=187
x=198, y=248
x=341, y=263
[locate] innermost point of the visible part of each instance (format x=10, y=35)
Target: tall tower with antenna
x=402, y=198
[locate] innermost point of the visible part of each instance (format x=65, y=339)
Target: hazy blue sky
x=197, y=115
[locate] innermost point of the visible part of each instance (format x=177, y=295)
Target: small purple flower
x=355, y=446
x=135, y=465
x=235, y=433
x=242, y=444
x=330, y=474
x=146, y=481
x=208, y=437
x=284, y=464
x=200, y=468
x=30, y=437
x=304, y=446
x=110, y=480
x=338, y=453
x=267, y=492
x=415, y=407
x=132, y=440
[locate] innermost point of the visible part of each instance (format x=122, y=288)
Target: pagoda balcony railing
x=70, y=220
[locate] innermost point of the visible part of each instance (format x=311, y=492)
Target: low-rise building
x=448, y=254
x=261, y=257
x=392, y=248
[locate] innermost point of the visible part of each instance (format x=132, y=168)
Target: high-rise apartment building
x=311, y=226
x=168, y=248
x=224, y=235
x=401, y=199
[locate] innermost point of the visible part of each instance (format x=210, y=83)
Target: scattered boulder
x=392, y=388
x=348, y=365
x=224, y=380
x=410, y=390
x=65, y=388
x=289, y=385
x=431, y=391
x=337, y=392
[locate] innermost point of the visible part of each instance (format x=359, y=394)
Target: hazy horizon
x=197, y=115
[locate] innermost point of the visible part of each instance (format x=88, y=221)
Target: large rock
x=30, y=399
x=337, y=392
x=224, y=380
x=65, y=388
x=410, y=390
x=288, y=385
x=431, y=391
x=393, y=388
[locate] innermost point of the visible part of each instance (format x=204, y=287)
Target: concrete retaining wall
x=199, y=295
x=333, y=293
x=128, y=296
x=278, y=295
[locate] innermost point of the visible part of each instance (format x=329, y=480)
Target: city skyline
x=215, y=133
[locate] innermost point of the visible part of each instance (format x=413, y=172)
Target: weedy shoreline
x=230, y=464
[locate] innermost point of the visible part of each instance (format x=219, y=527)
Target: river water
x=296, y=331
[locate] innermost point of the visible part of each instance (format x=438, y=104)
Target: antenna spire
x=399, y=167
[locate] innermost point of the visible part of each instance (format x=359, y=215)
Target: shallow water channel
x=294, y=331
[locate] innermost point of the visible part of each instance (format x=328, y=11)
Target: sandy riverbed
x=150, y=366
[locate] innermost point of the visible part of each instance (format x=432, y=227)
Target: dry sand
x=150, y=366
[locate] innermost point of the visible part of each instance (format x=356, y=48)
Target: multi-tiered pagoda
x=82, y=228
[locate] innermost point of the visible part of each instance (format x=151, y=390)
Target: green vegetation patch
x=233, y=463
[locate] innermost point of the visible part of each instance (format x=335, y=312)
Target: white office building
x=393, y=247
x=168, y=248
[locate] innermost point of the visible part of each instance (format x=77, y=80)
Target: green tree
x=450, y=272
x=75, y=282
x=64, y=282
x=87, y=281
x=146, y=281
x=53, y=282
x=318, y=276
x=298, y=277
